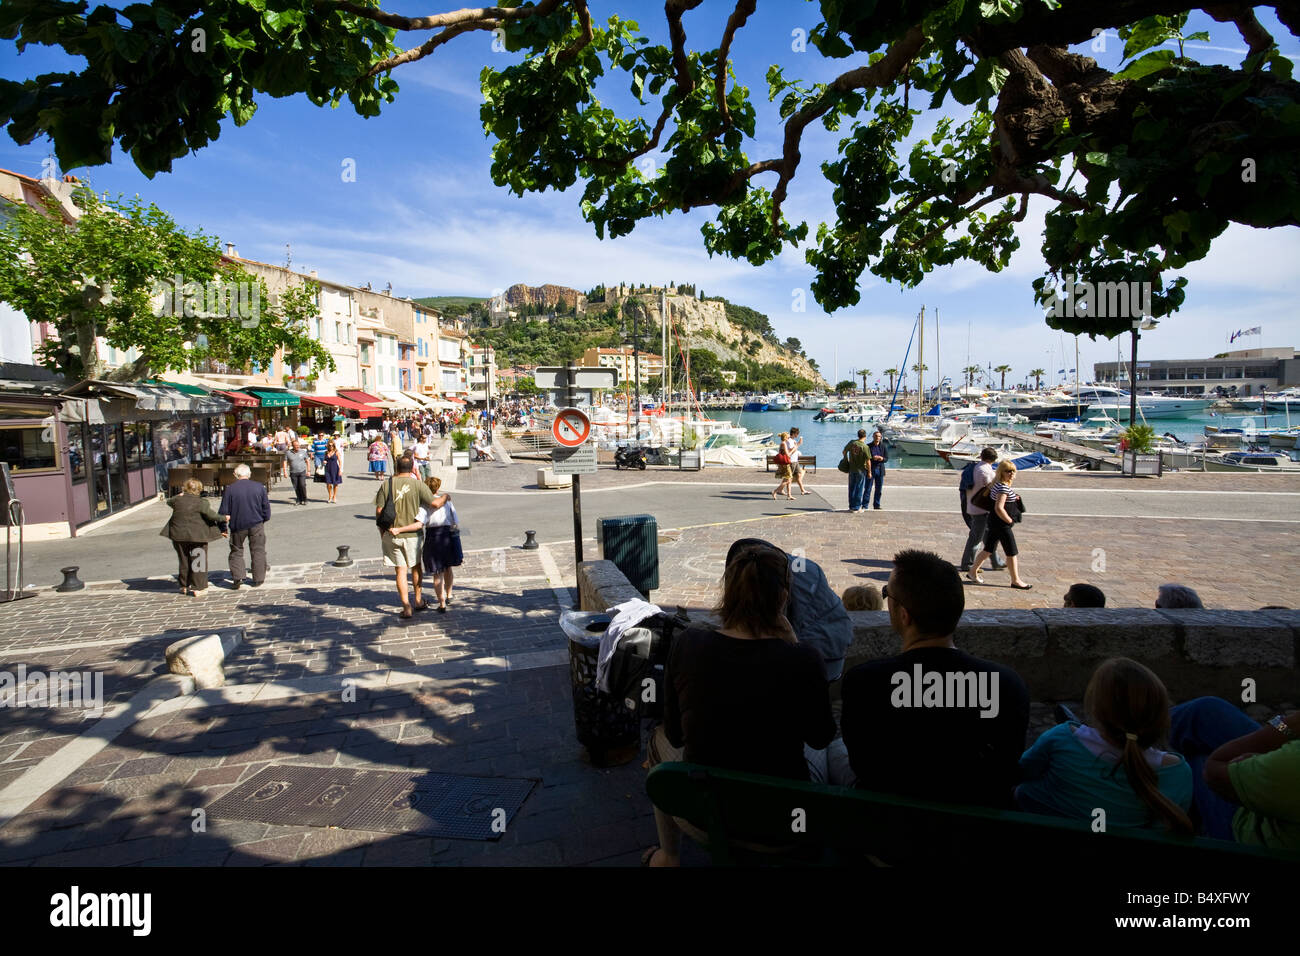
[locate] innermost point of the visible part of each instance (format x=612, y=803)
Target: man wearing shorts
x=402, y=543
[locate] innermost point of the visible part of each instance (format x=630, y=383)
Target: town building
x=1245, y=372
x=626, y=362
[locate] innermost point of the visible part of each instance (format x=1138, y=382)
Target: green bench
x=842, y=825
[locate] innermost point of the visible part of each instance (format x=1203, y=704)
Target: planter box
x=1135, y=464
x=691, y=461
x=460, y=459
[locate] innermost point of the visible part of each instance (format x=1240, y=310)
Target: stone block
x=873, y=637
x=1098, y=633
x=547, y=478
x=601, y=585
x=1234, y=638
x=1002, y=634
x=202, y=657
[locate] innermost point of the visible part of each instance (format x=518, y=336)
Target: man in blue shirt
x=876, y=470
x=247, y=507
x=318, y=449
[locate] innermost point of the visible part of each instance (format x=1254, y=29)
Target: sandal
x=422, y=606
x=406, y=611
x=649, y=855
x=1022, y=587
x=976, y=579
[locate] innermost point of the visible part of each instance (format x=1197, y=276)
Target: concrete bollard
x=530, y=541
x=343, y=559
x=70, y=580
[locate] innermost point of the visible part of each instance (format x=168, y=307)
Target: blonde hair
x=192, y=486
x=1005, y=468
x=862, y=597
x=434, y=483
x=784, y=435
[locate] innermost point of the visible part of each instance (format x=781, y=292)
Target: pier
x=1096, y=460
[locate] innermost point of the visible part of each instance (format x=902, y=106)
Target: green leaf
x=1146, y=65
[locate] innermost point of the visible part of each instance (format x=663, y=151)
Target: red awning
x=238, y=399
x=358, y=396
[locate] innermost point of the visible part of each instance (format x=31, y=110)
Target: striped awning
x=269, y=399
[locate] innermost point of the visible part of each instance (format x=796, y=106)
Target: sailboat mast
x=938, y=371
x=1078, y=402
x=920, y=370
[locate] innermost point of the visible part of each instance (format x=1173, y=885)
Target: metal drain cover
x=448, y=805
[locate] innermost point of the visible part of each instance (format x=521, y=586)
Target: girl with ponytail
x=1112, y=762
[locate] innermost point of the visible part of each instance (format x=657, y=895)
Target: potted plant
x=1137, y=444
x=692, y=457
x=460, y=442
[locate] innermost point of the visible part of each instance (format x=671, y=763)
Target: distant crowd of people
x=753, y=695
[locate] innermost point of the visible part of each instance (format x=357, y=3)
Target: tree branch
x=673, y=10
x=744, y=10
x=454, y=18
x=1252, y=31
x=431, y=44
x=584, y=18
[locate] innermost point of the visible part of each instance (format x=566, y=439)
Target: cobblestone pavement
x=481, y=690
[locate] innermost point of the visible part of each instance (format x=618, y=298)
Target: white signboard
x=553, y=377
x=574, y=461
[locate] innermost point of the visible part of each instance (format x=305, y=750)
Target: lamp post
x=1144, y=325
x=636, y=363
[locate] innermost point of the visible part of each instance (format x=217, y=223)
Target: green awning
x=273, y=399
x=179, y=386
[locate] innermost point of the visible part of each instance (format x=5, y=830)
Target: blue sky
x=423, y=214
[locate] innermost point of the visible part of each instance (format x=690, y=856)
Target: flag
x=1240, y=334
x=1060, y=371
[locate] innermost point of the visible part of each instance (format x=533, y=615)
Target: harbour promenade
x=326, y=675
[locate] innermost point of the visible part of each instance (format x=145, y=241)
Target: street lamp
x=636, y=361
x=1145, y=325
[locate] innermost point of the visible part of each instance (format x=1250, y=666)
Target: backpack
x=387, y=516
x=636, y=671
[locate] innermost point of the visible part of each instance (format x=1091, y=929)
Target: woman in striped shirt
x=1001, y=520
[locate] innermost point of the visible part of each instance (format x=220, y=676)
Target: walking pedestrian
x=442, y=550
x=194, y=522
x=791, y=445
x=977, y=518
x=247, y=508
x=420, y=453
x=858, y=461
x=877, y=471
x=378, y=455
x=333, y=472
x=1005, y=512
x=318, y=448
x=402, y=543
x=783, y=469
x=297, y=458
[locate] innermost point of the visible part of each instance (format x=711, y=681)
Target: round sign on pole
x=571, y=428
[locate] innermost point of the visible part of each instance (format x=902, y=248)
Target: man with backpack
x=858, y=458
x=974, y=477
x=401, y=533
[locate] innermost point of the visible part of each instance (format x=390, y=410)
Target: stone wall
x=1055, y=650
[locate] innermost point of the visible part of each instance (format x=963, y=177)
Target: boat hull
x=1170, y=409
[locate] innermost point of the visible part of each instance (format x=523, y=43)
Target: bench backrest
x=729, y=805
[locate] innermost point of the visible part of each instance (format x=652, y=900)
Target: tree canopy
x=1144, y=166
x=126, y=272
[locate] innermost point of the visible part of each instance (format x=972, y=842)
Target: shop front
x=33, y=443
x=236, y=423
x=123, y=439
x=276, y=409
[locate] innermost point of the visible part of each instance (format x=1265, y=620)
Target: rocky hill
x=545, y=296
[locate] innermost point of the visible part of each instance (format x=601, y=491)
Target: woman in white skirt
x=442, y=550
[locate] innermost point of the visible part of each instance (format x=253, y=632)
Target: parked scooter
x=625, y=457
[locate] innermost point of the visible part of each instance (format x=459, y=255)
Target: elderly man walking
x=245, y=505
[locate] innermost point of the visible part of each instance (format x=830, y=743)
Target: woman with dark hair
x=333, y=471
x=442, y=549
x=745, y=696
x=1112, y=762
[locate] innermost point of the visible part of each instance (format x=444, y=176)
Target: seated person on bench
x=933, y=722
x=747, y=696
x=482, y=452
x=1112, y=762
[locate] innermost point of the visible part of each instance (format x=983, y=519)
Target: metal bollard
x=530, y=541
x=343, y=559
x=70, y=580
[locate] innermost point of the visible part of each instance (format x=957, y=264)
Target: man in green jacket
x=859, y=459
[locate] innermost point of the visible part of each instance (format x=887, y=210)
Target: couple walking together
x=424, y=536
x=865, y=463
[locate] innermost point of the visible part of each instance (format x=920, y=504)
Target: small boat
x=1252, y=461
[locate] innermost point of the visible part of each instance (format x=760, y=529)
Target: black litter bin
x=604, y=723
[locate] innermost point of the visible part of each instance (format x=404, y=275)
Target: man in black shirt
x=933, y=722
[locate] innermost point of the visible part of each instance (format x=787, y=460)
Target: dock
x=1094, y=459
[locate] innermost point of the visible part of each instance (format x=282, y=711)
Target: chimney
x=230, y=250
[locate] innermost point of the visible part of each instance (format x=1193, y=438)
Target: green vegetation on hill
x=453, y=304
x=525, y=341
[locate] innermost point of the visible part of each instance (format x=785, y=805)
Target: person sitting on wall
x=1171, y=596
x=1084, y=595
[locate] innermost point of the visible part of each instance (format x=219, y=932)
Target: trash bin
x=632, y=543
x=603, y=723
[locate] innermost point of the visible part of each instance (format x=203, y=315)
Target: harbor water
x=826, y=440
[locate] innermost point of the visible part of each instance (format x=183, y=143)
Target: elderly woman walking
x=194, y=522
